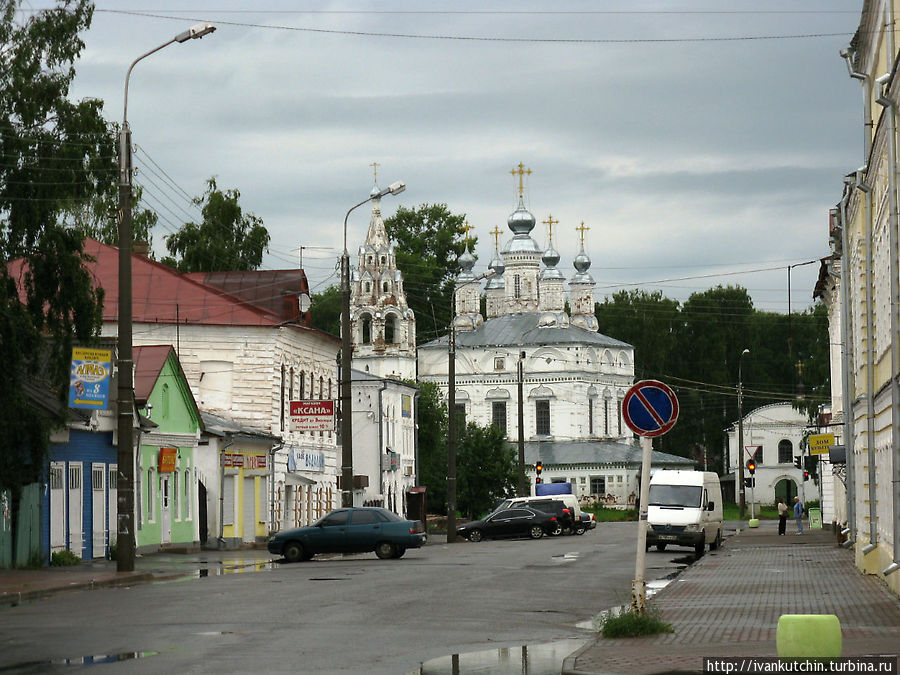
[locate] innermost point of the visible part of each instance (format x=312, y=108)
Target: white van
x=685, y=508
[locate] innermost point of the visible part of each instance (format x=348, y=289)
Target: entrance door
x=57, y=506
x=248, y=511
x=98, y=510
x=786, y=489
x=202, y=513
x=165, y=519
x=76, y=534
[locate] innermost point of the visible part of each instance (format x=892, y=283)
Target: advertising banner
x=312, y=415
x=89, y=380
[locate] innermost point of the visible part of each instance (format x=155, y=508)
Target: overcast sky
x=699, y=146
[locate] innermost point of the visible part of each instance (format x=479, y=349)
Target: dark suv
x=564, y=516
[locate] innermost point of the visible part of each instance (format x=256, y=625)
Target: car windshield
x=675, y=495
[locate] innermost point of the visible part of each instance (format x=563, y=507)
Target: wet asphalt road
x=353, y=614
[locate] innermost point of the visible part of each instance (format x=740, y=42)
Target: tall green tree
x=325, y=310
x=485, y=469
x=97, y=218
x=226, y=239
x=53, y=153
x=432, y=412
x=428, y=241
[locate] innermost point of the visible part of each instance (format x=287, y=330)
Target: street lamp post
x=125, y=396
x=740, y=448
x=451, y=413
x=346, y=355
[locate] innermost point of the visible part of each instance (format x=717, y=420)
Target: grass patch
x=603, y=514
x=64, y=559
x=628, y=623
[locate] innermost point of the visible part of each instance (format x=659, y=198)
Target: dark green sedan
x=351, y=530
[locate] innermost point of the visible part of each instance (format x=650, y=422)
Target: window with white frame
x=498, y=415
x=598, y=485
x=188, y=501
x=542, y=417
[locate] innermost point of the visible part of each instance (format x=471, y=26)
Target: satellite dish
x=304, y=302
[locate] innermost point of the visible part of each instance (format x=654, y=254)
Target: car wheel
x=293, y=551
x=699, y=548
x=555, y=530
x=579, y=529
x=660, y=547
x=399, y=552
x=476, y=536
x=714, y=546
x=536, y=532
x=385, y=550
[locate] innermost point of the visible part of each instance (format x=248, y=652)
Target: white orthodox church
x=573, y=377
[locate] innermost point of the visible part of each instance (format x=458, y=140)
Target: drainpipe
x=381, y=441
x=869, y=361
x=848, y=386
x=222, y=492
x=416, y=436
x=272, y=452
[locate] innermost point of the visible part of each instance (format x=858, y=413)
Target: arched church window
x=517, y=286
x=383, y=260
x=370, y=259
x=785, y=451
x=384, y=287
x=390, y=329
x=368, y=287
x=366, y=329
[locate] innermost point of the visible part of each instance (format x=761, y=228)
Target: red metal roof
x=148, y=363
x=160, y=294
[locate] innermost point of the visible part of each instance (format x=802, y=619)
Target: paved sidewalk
x=729, y=601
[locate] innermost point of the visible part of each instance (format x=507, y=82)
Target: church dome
x=521, y=221
x=582, y=264
x=466, y=262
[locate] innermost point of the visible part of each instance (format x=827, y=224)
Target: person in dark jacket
x=782, y=516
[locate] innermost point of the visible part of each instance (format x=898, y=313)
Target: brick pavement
x=728, y=604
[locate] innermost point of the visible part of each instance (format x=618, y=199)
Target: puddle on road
x=535, y=659
x=92, y=660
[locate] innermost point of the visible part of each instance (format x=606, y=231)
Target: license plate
x=667, y=537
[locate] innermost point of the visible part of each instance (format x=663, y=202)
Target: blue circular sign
x=650, y=408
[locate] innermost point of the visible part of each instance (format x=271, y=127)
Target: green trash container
x=815, y=519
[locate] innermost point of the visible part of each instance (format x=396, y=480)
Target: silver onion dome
x=521, y=221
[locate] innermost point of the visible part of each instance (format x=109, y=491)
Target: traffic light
x=806, y=475
x=749, y=482
x=798, y=460
x=751, y=467
x=538, y=468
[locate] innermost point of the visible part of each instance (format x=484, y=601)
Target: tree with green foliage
x=696, y=348
x=55, y=153
x=226, y=239
x=485, y=469
x=428, y=241
x=325, y=310
x=97, y=218
x=432, y=420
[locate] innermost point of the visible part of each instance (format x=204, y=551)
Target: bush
x=63, y=559
x=628, y=623
x=603, y=514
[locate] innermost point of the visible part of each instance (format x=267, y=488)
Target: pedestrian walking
x=782, y=516
x=798, y=514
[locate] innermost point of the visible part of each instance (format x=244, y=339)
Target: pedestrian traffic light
x=798, y=460
x=537, y=469
x=748, y=482
x=751, y=467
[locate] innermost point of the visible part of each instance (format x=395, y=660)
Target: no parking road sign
x=650, y=408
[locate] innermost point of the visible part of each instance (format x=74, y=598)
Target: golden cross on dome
x=521, y=172
x=374, y=166
x=496, y=232
x=465, y=228
x=582, y=229
x=550, y=223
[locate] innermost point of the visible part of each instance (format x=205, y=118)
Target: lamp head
x=195, y=32
x=397, y=188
